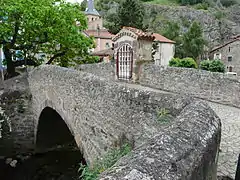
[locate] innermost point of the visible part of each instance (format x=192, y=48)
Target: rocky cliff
x=218, y=26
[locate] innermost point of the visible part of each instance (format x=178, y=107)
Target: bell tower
x=91, y=9
x=94, y=18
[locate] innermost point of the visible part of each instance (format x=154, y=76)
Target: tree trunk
x=10, y=65
x=56, y=56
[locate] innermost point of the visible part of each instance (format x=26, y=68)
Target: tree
x=193, y=41
x=128, y=13
x=131, y=13
x=42, y=26
x=112, y=22
x=173, y=32
x=83, y=5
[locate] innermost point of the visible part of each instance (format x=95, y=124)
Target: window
x=229, y=49
x=230, y=69
x=92, y=19
x=229, y=58
x=107, y=45
x=217, y=56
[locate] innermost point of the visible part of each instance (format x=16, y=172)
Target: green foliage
x=112, y=22
x=89, y=60
x=203, y=6
x=219, y=15
x=217, y=66
x=106, y=162
x=193, y=41
x=83, y=5
x=105, y=5
x=50, y=28
x=129, y=13
x=204, y=65
x=191, y=2
x=186, y=63
x=228, y=3
x=172, y=31
x=163, y=115
x=213, y=66
x=188, y=44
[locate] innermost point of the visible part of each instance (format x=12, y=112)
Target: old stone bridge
x=102, y=113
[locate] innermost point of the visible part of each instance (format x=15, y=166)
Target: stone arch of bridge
x=53, y=128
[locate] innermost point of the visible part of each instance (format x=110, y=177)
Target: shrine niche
x=131, y=46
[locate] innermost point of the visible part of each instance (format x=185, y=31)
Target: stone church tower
x=103, y=39
x=94, y=19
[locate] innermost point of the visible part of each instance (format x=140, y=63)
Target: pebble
x=8, y=160
x=13, y=163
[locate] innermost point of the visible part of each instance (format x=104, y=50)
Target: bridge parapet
x=216, y=87
x=187, y=150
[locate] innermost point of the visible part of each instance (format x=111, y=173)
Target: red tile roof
x=227, y=43
x=148, y=35
x=102, y=33
x=160, y=38
x=140, y=33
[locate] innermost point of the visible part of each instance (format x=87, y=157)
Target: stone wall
x=216, y=87
x=106, y=70
x=15, y=101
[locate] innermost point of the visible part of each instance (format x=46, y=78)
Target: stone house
x=133, y=47
x=103, y=38
x=229, y=53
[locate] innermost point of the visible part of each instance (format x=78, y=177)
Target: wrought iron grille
x=124, y=62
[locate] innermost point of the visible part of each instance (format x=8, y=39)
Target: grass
x=164, y=116
x=106, y=162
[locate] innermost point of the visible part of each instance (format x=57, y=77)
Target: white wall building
x=165, y=51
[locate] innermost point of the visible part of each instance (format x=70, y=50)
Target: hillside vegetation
x=208, y=3
x=219, y=19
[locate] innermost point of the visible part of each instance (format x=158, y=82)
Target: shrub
x=204, y=65
x=213, y=66
x=217, y=66
x=108, y=161
x=186, y=62
x=174, y=62
x=203, y=6
x=228, y=3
